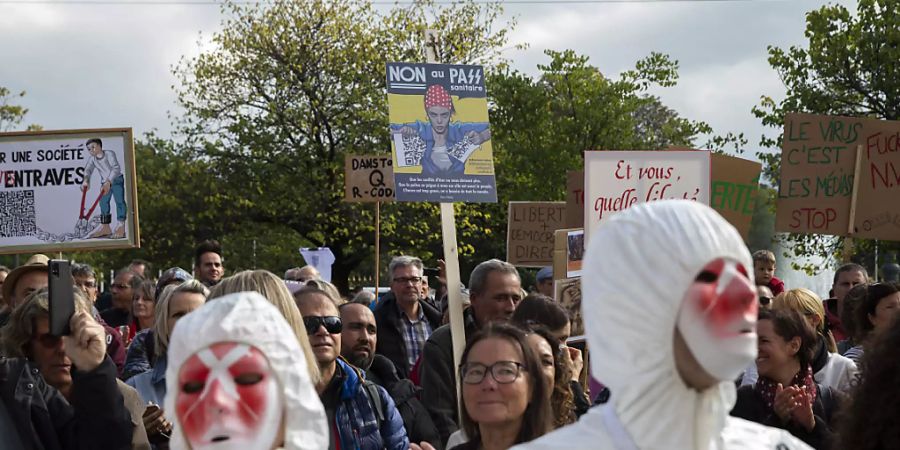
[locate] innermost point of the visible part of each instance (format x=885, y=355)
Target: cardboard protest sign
x=877, y=213
x=568, y=252
x=617, y=180
x=734, y=190
x=440, y=134
x=575, y=199
x=368, y=178
x=67, y=190
x=567, y=292
x=530, y=227
x=817, y=165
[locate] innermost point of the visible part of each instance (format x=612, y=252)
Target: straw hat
x=35, y=263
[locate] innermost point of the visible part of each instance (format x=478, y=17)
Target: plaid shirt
x=415, y=333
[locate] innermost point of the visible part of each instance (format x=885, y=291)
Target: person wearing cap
x=440, y=135
x=22, y=281
x=544, y=281
x=172, y=275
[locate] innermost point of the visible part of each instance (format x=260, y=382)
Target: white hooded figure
x=237, y=380
x=670, y=317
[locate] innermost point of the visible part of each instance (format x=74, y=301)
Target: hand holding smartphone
x=62, y=297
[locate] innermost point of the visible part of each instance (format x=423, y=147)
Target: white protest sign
x=321, y=258
x=67, y=190
x=617, y=180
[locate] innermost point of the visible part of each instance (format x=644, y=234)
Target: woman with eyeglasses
x=786, y=395
x=503, y=390
x=876, y=307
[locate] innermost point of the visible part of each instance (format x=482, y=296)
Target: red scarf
x=767, y=387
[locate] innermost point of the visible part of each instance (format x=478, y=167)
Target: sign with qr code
x=67, y=190
x=440, y=134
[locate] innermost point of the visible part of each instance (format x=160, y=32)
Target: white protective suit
x=638, y=266
x=248, y=318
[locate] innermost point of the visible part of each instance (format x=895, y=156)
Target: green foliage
x=12, y=115
x=851, y=67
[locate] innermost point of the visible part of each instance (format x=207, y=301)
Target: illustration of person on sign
x=444, y=146
x=112, y=184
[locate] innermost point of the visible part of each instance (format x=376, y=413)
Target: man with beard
x=359, y=337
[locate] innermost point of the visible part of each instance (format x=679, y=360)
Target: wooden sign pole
x=377, y=247
x=451, y=257
x=851, y=227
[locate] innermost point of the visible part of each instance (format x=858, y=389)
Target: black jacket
x=751, y=406
x=96, y=418
x=437, y=375
x=390, y=338
x=419, y=426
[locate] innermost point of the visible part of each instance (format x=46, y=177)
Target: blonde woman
x=274, y=290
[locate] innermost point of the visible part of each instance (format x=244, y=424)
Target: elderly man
x=495, y=290
x=405, y=322
x=24, y=280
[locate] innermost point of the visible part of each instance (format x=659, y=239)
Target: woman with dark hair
x=503, y=390
x=556, y=374
x=873, y=314
x=786, y=396
x=871, y=421
x=538, y=309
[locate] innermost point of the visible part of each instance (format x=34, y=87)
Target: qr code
x=17, y=216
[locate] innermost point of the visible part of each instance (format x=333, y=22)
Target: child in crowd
x=764, y=270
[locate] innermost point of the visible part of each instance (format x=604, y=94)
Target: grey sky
x=92, y=66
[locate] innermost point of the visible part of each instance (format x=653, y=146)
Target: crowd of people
x=712, y=351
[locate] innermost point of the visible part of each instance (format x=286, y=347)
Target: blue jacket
x=140, y=353
x=456, y=132
x=357, y=421
x=151, y=385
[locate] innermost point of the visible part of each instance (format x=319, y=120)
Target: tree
x=292, y=87
x=12, y=115
x=852, y=68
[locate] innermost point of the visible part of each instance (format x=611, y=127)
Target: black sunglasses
x=332, y=324
x=765, y=300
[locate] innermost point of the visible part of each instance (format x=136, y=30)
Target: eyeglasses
x=404, y=280
x=503, y=372
x=49, y=341
x=332, y=324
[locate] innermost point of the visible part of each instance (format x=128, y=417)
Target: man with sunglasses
x=361, y=415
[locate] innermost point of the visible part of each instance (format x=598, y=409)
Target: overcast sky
x=93, y=66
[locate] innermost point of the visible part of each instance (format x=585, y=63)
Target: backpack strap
x=375, y=400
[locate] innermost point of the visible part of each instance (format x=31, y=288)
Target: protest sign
x=67, y=190
x=617, y=180
x=877, y=209
x=440, y=135
x=734, y=190
x=530, y=227
x=575, y=199
x=368, y=178
x=321, y=258
x=568, y=251
x=817, y=166
x=567, y=292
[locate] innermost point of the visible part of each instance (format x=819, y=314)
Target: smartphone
x=429, y=272
x=62, y=297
